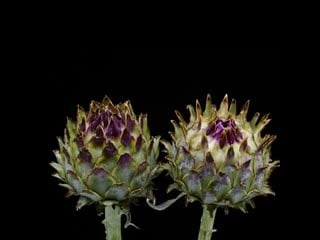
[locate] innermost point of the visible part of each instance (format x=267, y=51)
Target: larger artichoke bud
x=218, y=157
x=107, y=156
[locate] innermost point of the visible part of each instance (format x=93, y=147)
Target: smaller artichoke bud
x=218, y=157
x=107, y=155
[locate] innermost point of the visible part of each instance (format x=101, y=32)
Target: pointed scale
x=262, y=123
x=233, y=107
x=178, y=131
x=192, y=114
x=224, y=105
x=182, y=122
x=266, y=142
x=130, y=109
x=230, y=156
x=254, y=119
x=209, y=108
x=81, y=116
x=244, y=111
x=106, y=100
x=198, y=110
x=94, y=106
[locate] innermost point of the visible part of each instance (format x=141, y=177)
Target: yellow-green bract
x=218, y=157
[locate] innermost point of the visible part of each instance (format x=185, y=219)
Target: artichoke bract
x=107, y=155
x=218, y=157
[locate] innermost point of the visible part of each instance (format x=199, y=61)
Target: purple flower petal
x=99, y=172
x=222, y=140
x=130, y=123
x=124, y=160
x=105, y=116
x=113, y=130
x=85, y=155
x=126, y=138
x=210, y=129
x=82, y=126
x=139, y=143
x=110, y=150
x=99, y=138
x=94, y=124
x=224, y=131
x=79, y=141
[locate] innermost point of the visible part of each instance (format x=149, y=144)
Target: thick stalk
x=112, y=222
x=207, y=220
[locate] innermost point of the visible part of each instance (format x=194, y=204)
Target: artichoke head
x=218, y=157
x=107, y=155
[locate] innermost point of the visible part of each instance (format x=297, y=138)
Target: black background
x=158, y=81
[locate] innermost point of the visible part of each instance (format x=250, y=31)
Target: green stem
x=112, y=222
x=207, y=221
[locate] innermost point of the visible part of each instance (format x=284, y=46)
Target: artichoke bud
x=218, y=157
x=107, y=154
